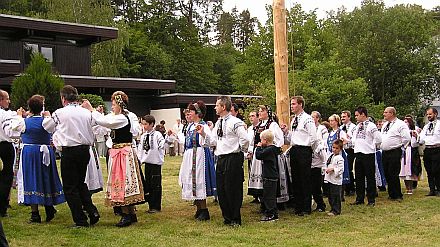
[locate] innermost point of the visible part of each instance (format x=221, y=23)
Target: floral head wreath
x=120, y=102
x=198, y=111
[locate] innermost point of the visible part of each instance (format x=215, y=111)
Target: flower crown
x=120, y=102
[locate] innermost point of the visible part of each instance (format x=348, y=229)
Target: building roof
x=20, y=27
x=114, y=82
x=109, y=82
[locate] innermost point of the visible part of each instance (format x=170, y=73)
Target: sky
x=257, y=9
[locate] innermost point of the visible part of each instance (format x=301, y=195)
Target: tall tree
x=38, y=78
x=392, y=48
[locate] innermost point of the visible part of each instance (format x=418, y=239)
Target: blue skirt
x=40, y=183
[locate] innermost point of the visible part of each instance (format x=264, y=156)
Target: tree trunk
x=280, y=61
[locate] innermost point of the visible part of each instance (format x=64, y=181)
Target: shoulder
x=338, y=158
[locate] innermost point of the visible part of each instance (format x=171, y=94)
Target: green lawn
x=413, y=222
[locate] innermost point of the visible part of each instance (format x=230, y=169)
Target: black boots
x=50, y=213
x=94, y=218
x=203, y=214
x=35, y=217
x=126, y=220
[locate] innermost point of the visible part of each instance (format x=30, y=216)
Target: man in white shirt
x=318, y=162
x=348, y=127
x=229, y=136
x=177, y=128
x=303, y=139
x=395, y=135
x=430, y=136
x=73, y=125
x=365, y=138
x=7, y=153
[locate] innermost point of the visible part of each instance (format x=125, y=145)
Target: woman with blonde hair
x=337, y=134
x=124, y=183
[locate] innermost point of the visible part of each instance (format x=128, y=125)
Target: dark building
x=67, y=47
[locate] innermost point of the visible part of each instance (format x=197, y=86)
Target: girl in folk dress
x=124, y=184
x=411, y=165
x=197, y=172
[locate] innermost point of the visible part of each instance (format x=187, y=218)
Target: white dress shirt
x=395, y=134
x=278, y=135
x=320, y=156
x=155, y=155
x=366, y=138
x=430, y=136
x=112, y=121
x=73, y=125
x=234, y=137
x=250, y=135
x=349, y=130
x=305, y=132
x=335, y=177
x=8, y=119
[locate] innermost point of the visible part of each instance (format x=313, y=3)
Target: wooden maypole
x=280, y=61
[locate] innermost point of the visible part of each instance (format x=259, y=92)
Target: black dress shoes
x=35, y=217
x=204, y=215
x=431, y=193
x=125, y=220
x=50, y=213
x=94, y=218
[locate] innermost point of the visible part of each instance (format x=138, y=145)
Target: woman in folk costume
x=124, y=184
x=37, y=177
x=267, y=121
x=197, y=172
x=337, y=134
x=411, y=165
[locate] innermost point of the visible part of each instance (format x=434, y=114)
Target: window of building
x=30, y=48
x=47, y=53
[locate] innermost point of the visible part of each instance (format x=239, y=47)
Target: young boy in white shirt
x=333, y=176
x=151, y=153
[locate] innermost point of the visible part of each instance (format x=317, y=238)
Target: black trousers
x=431, y=159
x=300, y=163
x=230, y=178
x=7, y=155
x=3, y=241
x=365, y=169
x=153, y=186
x=350, y=156
x=270, y=196
x=334, y=198
x=74, y=161
x=391, y=165
x=317, y=180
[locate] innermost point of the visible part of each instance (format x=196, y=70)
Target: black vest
x=122, y=135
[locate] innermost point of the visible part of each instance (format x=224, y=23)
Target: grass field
x=413, y=222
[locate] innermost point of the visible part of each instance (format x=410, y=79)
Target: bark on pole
x=280, y=61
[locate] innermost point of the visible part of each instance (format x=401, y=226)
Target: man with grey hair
x=73, y=125
x=395, y=135
x=7, y=153
x=229, y=136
